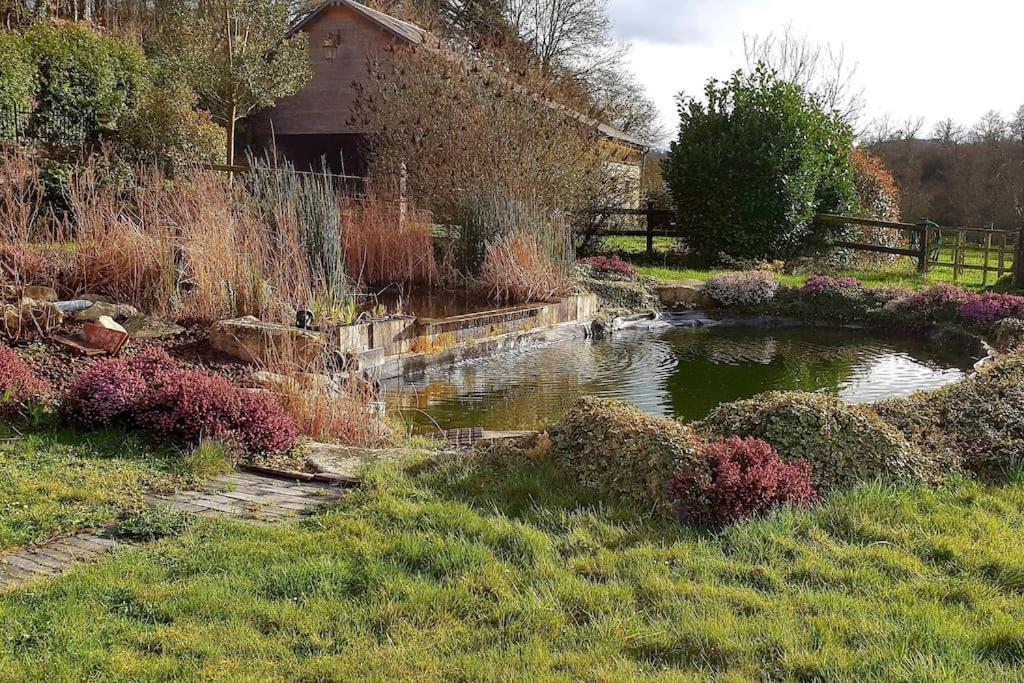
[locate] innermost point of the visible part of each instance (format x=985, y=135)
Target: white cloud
x=916, y=58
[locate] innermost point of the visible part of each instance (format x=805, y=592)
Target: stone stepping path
x=240, y=495
x=52, y=558
x=245, y=495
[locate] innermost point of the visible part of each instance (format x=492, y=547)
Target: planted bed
x=677, y=371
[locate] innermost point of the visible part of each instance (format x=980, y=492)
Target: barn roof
x=415, y=35
x=405, y=30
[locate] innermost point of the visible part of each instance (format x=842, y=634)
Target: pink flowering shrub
x=611, y=266
x=747, y=289
x=823, y=284
x=983, y=311
x=20, y=388
x=192, y=405
x=152, y=391
x=111, y=390
x=934, y=304
x=743, y=477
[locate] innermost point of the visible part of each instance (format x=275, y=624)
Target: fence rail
x=985, y=250
x=991, y=252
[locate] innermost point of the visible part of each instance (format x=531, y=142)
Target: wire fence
x=22, y=125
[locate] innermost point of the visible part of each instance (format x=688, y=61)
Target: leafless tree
x=573, y=39
x=571, y=34
x=1017, y=125
x=948, y=132
x=992, y=128
x=819, y=68
x=885, y=129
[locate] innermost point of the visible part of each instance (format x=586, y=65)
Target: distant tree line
x=956, y=175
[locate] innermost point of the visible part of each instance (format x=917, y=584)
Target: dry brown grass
x=196, y=247
x=345, y=416
x=517, y=269
x=387, y=240
x=21, y=195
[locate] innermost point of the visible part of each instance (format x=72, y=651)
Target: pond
x=674, y=372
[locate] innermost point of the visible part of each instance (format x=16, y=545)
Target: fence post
x=922, y=258
x=650, y=227
x=1018, y=261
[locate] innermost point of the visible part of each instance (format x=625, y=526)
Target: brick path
x=239, y=495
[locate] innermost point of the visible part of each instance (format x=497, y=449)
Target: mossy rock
x=845, y=444
x=977, y=423
x=614, y=447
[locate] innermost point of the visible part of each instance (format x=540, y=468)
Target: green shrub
x=845, y=444
x=614, y=447
x=81, y=75
x=978, y=422
x=165, y=128
x=795, y=161
x=17, y=79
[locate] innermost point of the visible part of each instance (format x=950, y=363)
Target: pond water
x=674, y=372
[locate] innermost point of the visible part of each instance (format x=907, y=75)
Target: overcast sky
x=934, y=58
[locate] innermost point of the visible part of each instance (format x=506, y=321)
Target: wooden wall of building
x=324, y=105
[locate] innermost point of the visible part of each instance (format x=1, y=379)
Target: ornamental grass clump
x=845, y=444
x=21, y=391
x=517, y=270
x=749, y=289
x=611, y=446
x=742, y=478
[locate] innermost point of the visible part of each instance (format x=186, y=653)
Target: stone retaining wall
x=382, y=345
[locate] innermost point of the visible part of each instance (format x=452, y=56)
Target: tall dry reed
x=516, y=269
x=387, y=240
x=525, y=253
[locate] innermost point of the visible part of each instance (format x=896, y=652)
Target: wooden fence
x=992, y=253
x=656, y=223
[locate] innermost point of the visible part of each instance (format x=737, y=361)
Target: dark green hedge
x=753, y=164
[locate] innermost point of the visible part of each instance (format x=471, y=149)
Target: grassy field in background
x=903, y=272
x=505, y=571
x=55, y=482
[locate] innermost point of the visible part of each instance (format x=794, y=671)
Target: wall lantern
x=330, y=45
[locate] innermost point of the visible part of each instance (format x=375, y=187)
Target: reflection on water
x=673, y=372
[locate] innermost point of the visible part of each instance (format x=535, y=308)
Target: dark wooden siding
x=324, y=106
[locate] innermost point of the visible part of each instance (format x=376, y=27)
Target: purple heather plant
x=747, y=289
x=823, y=284
x=984, y=310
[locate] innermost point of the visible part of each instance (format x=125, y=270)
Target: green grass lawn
x=54, y=482
x=903, y=272
x=899, y=275
x=502, y=571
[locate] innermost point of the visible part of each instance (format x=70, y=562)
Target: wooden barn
x=315, y=124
